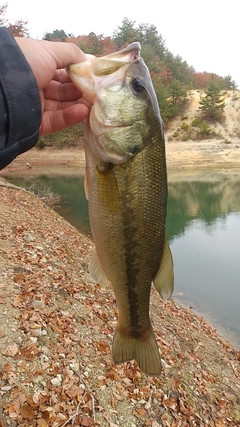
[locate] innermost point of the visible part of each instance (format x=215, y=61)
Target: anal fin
x=96, y=270
x=164, y=279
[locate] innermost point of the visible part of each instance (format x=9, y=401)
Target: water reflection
x=203, y=228
x=207, y=200
x=207, y=272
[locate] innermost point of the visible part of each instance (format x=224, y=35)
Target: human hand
x=62, y=103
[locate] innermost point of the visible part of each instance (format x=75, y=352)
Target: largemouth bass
x=126, y=185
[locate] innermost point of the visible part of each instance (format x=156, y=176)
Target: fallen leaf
x=11, y=350
x=27, y=412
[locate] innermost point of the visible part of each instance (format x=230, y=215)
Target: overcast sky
x=205, y=33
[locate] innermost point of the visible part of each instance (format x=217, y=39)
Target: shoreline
x=180, y=157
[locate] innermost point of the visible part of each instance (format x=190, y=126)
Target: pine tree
x=212, y=104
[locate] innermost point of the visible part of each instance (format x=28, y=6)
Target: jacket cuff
x=20, y=109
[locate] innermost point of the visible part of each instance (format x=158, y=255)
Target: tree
x=202, y=79
x=91, y=44
x=56, y=35
x=3, y=10
x=227, y=83
x=180, y=70
x=212, y=104
x=152, y=42
x=108, y=45
x=125, y=33
x=17, y=28
x=177, y=92
x=162, y=96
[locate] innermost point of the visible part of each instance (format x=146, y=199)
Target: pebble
x=36, y=332
x=44, y=358
x=164, y=364
x=28, y=237
x=45, y=350
x=57, y=381
x=38, y=304
x=74, y=366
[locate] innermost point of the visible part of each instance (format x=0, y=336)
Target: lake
x=203, y=229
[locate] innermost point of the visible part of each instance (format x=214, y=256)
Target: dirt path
x=56, y=330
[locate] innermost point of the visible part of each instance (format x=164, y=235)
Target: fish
x=126, y=187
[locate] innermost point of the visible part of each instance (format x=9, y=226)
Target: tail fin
x=144, y=351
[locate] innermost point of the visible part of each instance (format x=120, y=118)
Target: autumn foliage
x=17, y=28
x=170, y=73
x=172, y=76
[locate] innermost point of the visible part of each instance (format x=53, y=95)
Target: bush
x=184, y=126
x=204, y=131
x=43, y=192
x=40, y=144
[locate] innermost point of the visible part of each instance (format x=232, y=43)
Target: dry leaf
x=11, y=350
x=27, y=412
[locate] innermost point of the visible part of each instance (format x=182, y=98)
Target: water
x=203, y=228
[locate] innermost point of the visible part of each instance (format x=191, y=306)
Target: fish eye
x=137, y=86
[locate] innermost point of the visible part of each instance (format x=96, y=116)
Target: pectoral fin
x=164, y=279
x=96, y=270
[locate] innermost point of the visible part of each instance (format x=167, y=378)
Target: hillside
x=228, y=131
x=186, y=149
x=220, y=151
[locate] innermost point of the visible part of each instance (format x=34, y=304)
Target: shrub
x=184, y=126
x=204, y=131
x=40, y=144
x=43, y=192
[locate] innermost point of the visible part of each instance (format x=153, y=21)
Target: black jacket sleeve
x=20, y=106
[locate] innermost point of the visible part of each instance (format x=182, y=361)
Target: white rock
x=56, y=382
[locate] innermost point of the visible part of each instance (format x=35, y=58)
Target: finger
x=61, y=92
x=54, y=121
x=55, y=105
x=62, y=76
x=66, y=53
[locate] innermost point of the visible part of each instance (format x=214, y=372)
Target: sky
x=205, y=33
